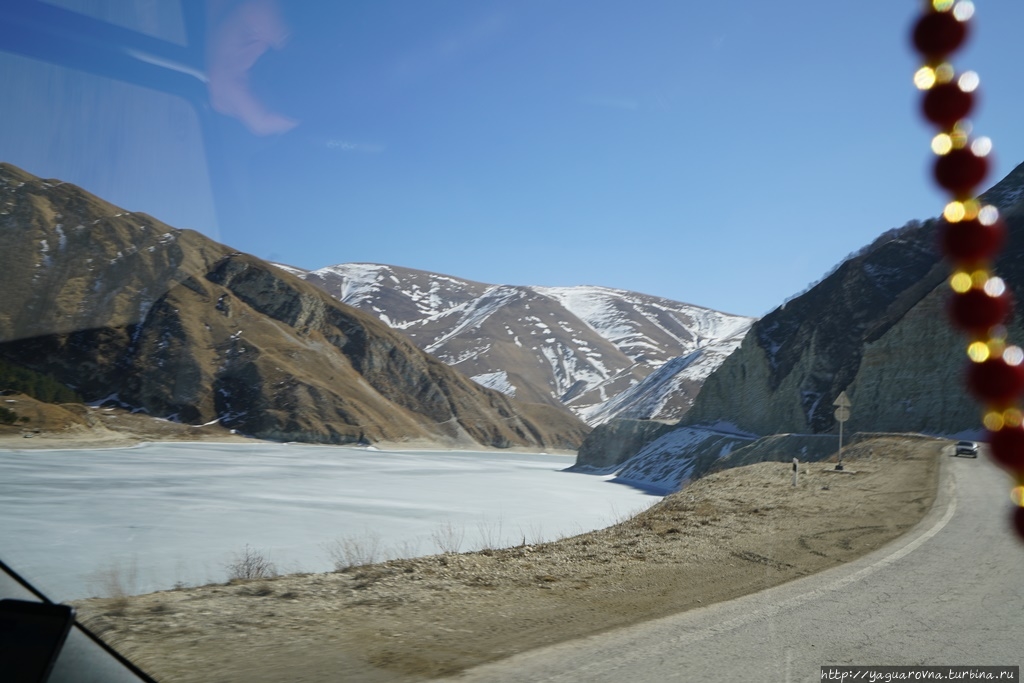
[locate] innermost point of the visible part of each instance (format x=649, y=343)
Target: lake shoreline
x=76, y=426
x=729, y=534
x=163, y=514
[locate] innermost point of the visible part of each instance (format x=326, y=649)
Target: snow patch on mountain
x=471, y=315
x=297, y=272
x=644, y=399
x=496, y=380
x=573, y=346
x=632, y=321
x=666, y=463
x=361, y=282
x=663, y=394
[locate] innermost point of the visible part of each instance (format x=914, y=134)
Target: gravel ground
x=728, y=534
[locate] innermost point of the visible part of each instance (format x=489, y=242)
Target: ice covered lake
x=163, y=514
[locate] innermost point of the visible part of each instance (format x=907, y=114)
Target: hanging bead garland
x=972, y=234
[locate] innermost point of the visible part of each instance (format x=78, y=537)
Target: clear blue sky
x=721, y=153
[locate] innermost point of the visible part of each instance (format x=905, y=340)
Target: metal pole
x=840, y=465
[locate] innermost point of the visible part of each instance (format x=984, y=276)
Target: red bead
x=936, y=34
x=960, y=171
x=945, y=104
x=1017, y=519
x=976, y=311
x=995, y=381
x=1007, y=448
x=970, y=242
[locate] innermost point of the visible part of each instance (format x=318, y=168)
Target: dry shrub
x=117, y=582
x=251, y=564
x=354, y=551
x=447, y=538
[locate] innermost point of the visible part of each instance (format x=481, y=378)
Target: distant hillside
x=125, y=309
x=600, y=352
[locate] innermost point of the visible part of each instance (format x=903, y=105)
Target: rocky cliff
x=126, y=309
x=613, y=442
x=875, y=328
x=798, y=358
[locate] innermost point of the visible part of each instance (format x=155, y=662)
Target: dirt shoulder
x=728, y=534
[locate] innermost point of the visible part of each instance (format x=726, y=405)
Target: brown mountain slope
x=121, y=306
x=597, y=351
x=510, y=338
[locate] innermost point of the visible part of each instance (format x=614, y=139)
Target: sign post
x=842, y=414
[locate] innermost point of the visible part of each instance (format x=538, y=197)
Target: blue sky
x=724, y=154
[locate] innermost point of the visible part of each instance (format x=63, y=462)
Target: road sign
x=842, y=414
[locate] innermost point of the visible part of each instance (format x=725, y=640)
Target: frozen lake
x=161, y=514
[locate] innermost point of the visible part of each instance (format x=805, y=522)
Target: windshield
x=398, y=339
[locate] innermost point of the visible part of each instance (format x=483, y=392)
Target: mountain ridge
x=122, y=307
x=575, y=347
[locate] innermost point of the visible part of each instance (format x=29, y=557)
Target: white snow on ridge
x=496, y=380
x=645, y=399
x=358, y=281
x=651, y=398
x=475, y=312
x=463, y=356
x=432, y=295
x=568, y=333
x=297, y=272
x=568, y=369
x=603, y=310
x=594, y=306
x=666, y=463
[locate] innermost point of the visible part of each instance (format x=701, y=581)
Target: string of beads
x=971, y=236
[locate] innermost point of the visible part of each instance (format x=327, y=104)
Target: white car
x=967, y=448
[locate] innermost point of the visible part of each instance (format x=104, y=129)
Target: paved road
x=950, y=592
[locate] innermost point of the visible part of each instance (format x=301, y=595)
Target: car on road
x=967, y=448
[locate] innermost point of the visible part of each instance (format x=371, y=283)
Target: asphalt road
x=949, y=592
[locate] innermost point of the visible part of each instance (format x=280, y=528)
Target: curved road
x=949, y=592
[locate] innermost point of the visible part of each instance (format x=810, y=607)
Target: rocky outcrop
x=874, y=328
x=613, y=442
x=126, y=309
x=798, y=358
x=909, y=379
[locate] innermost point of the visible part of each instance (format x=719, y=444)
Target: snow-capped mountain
x=668, y=392
x=592, y=349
